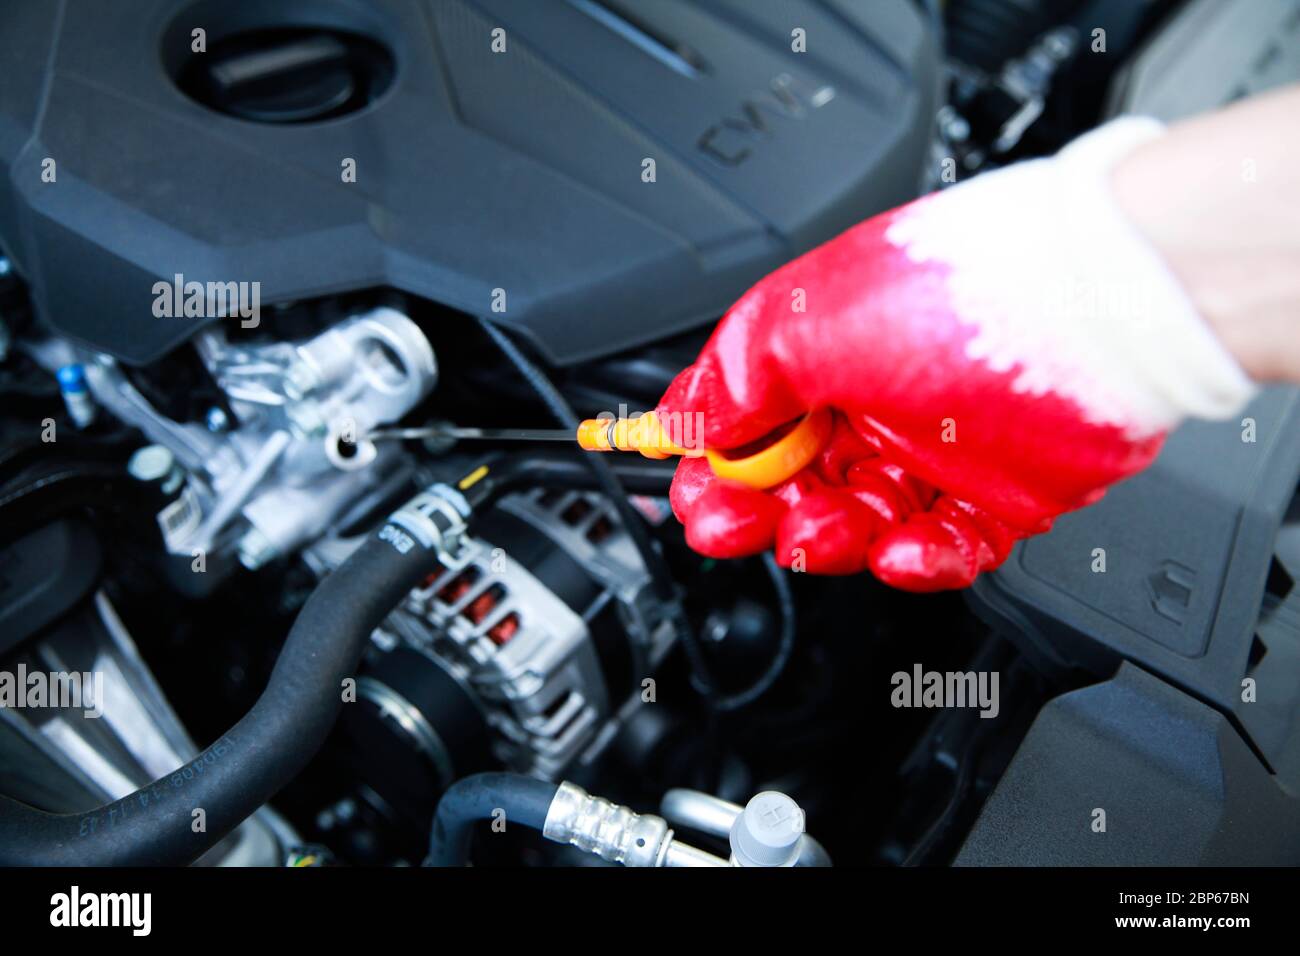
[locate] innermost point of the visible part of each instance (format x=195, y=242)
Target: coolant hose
x=159, y=825
x=525, y=801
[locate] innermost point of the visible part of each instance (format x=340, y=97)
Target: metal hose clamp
x=436, y=518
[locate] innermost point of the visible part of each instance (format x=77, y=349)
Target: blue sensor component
x=76, y=395
x=72, y=378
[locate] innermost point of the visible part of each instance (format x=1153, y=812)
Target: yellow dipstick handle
x=768, y=466
x=644, y=433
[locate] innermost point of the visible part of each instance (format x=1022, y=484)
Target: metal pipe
x=681, y=854
x=712, y=815
x=617, y=834
x=699, y=811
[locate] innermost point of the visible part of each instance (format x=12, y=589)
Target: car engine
x=266, y=268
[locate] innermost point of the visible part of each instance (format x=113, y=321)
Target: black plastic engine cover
x=1193, y=746
x=1201, y=585
x=1176, y=781
x=476, y=170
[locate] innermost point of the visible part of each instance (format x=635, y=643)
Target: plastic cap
x=768, y=831
x=151, y=463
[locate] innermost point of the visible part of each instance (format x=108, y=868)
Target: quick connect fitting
x=610, y=831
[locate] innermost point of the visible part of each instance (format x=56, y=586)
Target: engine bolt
x=255, y=550
x=305, y=419
x=217, y=420
x=300, y=379
x=156, y=465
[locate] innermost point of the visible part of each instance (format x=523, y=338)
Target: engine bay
x=265, y=267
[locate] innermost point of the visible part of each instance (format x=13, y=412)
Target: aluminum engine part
x=526, y=657
x=717, y=817
x=523, y=651
x=571, y=520
x=296, y=457
x=610, y=831
x=119, y=737
x=618, y=834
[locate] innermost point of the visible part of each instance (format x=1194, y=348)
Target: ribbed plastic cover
x=476, y=170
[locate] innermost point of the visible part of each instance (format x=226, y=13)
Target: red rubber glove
x=996, y=354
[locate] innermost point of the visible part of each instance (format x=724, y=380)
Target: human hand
x=995, y=354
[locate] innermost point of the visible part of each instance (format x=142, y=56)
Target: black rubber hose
x=524, y=800
x=657, y=567
x=784, y=647
x=155, y=826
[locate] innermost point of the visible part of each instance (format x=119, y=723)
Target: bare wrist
x=1213, y=197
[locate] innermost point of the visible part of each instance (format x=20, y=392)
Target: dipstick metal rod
x=490, y=434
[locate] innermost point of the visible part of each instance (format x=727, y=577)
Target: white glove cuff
x=1059, y=285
